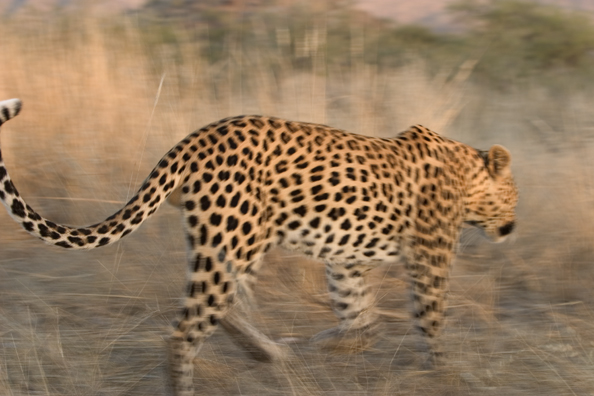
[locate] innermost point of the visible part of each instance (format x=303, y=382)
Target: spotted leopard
x=247, y=184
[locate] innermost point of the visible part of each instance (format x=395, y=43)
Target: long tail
x=162, y=181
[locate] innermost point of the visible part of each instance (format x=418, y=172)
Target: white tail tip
x=9, y=109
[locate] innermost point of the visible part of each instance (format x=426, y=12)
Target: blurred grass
x=105, y=98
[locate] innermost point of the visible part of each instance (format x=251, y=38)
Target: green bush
x=518, y=38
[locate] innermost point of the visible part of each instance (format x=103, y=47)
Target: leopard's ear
x=499, y=161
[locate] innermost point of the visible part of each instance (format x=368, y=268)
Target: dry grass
x=99, y=113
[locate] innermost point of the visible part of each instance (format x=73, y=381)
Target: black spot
x=223, y=130
x=235, y=200
x=76, y=240
x=281, y=219
x=120, y=227
x=137, y=219
x=9, y=187
x=315, y=222
x=239, y=177
x=224, y=175
x=321, y=197
x=301, y=211
x=245, y=207
x=372, y=243
x=197, y=262
x=215, y=219
x=132, y=200
x=346, y=225
x=17, y=208
x=231, y=160
x=335, y=213
x=246, y=228
x=34, y=216
x=320, y=208
x=213, y=139
x=104, y=229
x=294, y=225
x=344, y=240
x=232, y=223
x=203, y=234
x=281, y=166
x=337, y=276
x=216, y=240
x=204, y=203
x=316, y=189
x=208, y=264
x=193, y=221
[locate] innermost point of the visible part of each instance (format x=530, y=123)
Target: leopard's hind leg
x=209, y=295
x=238, y=324
x=212, y=298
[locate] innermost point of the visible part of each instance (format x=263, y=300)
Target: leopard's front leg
x=428, y=272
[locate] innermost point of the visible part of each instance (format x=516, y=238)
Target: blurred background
x=109, y=86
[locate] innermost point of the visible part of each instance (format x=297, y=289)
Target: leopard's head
x=493, y=195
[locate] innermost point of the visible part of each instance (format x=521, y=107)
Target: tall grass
x=103, y=101
x=111, y=99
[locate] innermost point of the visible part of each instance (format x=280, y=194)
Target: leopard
x=247, y=184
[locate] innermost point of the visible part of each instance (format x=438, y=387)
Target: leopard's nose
x=506, y=229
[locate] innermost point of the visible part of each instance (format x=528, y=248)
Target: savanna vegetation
x=105, y=97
